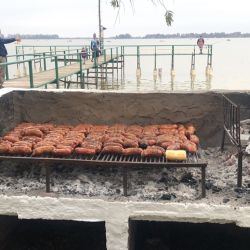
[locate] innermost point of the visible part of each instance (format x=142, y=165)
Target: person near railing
x=200, y=43
x=3, y=55
x=94, y=47
x=84, y=55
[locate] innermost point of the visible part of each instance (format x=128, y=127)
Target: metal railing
x=49, y=61
x=231, y=127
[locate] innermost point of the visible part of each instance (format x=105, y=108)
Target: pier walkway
x=53, y=75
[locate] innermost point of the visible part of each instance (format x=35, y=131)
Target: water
x=231, y=62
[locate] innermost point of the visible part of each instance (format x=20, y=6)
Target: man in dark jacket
x=3, y=55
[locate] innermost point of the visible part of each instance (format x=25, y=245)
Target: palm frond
x=169, y=17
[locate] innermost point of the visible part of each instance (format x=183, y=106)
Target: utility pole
x=100, y=24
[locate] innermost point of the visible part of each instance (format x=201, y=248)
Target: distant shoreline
x=147, y=36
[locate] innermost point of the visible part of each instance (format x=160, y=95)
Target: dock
x=49, y=76
x=63, y=66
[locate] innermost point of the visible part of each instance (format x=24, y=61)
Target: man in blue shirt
x=94, y=47
x=3, y=56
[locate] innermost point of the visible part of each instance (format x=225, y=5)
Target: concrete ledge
x=117, y=214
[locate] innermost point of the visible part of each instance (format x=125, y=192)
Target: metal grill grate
x=114, y=160
x=103, y=159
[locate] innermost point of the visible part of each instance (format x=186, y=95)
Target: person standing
x=94, y=47
x=3, y=55
x=84, y=55
x=200, y=43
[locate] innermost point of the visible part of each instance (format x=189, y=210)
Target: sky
x=79, y=18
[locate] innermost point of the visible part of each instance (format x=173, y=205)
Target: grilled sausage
x=4, y=148
x=189, y=146
x=43, y=150
x=11, y=138
x=66, y=151
x=174, y=146
x=32, y=132
x=194, y=139
x=132, y=151
x=127, y=143
x=112, y=150
x=112, y=144
x=153, y=151
x=85, y=151
x=24, y=150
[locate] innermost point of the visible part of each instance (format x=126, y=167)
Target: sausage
x=174, y=146
x=132, y=151
x=190, y=130
x=66, y=151
x=130, y=143
x=32, y=139
x=23, y=143
x=112, y=149
x=168, y=126
x=189, y=146
x=194, y=139
x=43, y=150
x=115, y=139
x=166, y=144
x=11, y=138
x=32, y=132
x=112, y=144
x=86, y=151
x=153, y=151
x=20, y=150
x=4, y=148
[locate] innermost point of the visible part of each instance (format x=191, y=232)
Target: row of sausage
x=88, y=139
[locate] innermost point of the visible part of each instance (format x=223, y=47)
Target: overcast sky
x=79, y=18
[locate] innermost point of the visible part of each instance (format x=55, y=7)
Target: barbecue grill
x=126, y=163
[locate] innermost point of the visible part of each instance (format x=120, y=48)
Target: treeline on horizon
x=36, y=36
x=148, y=36
x=186, y=35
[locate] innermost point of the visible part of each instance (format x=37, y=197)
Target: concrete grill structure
x=204, y=109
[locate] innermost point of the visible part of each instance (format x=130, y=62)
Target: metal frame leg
x=239, y=171
x=125, y=181
x=47, y=179
x=203, y=181
x=223, y=140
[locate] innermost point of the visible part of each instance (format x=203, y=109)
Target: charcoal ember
x=187, y=178
x=168, y=197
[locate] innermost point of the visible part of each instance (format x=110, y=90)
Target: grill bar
x=119, y=161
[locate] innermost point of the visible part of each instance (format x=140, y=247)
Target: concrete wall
x=204, y=109
x=117, y=214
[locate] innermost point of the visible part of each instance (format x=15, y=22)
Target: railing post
x=155, y=59
x=211, y=54
x=7, y=72
x=81, y=73
x=64, y=58
x=105, y=56
x=138, y=57
x=44, y=62
x=172, y=61
x=57, y=73
x=96, y=68
x=31, y=74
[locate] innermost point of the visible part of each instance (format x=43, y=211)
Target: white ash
x=180, y=185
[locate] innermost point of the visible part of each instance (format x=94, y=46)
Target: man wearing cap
x=3, y=55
